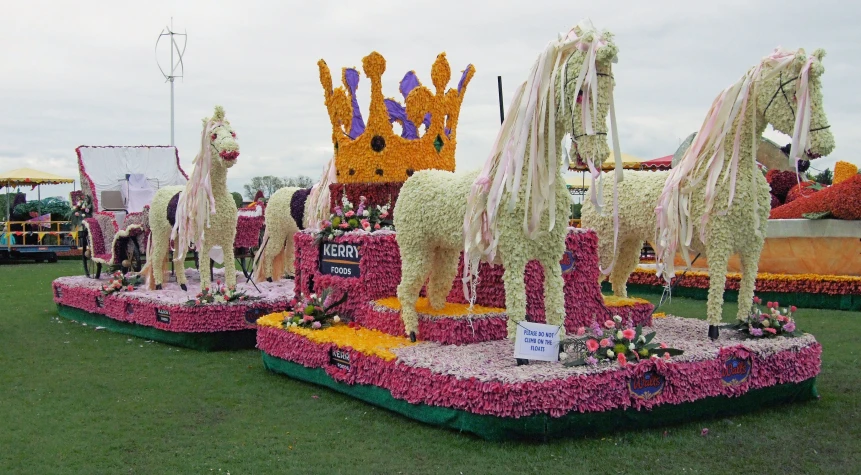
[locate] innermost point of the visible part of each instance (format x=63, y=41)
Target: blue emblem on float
x=735, y=371
x=646, y=386
x=567, y=262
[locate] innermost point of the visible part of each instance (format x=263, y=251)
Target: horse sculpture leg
x=554, y=296
x=718, y=260
x=417, y=259
x=515, y=292
x=288, y=254
x=626, y=262
x=203, y=267
x=442, y=275
x=229, y=266
x=158, y=259
x=749, y=264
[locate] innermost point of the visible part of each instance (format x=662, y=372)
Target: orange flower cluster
x=843, y=171
x=843, y=200
x=451, y=309
x=365, y=341
x=378, y=154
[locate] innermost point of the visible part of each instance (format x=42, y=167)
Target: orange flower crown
x=374, y=153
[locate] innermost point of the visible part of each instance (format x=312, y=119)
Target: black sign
x=100, y=301
x=339, y=358
x=130, y=309
x=162, y=315
x=339, y=259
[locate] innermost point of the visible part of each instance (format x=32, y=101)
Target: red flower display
x=805, y=188
x=781, y=182
x=843, y=200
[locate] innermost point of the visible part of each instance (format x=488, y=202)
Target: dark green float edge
x=544, y=427
x=212, y=341
x=799, y=299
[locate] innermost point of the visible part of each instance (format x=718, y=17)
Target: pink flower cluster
x=447, y=331
x=380, y=274
x=248, y=231
x=557, y=396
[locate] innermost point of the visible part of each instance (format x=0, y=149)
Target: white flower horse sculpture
x=516, y=209
x=716, y=201
x=202, y=213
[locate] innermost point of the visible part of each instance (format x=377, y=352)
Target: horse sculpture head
x=587, y=104
x=222, y=139
x=792, y=99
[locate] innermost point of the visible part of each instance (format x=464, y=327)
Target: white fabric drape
x=107, y=167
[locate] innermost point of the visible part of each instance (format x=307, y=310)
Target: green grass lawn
x=77, y=400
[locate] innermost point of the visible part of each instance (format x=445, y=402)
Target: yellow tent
x=629, y=162
x=28, y=176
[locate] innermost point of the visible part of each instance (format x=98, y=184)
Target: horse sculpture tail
x=147, y=270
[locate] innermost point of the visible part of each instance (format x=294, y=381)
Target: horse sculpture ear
x=219, y=114
x=818, y=68
x=607, y=53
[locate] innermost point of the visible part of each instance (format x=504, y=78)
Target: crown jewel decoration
x=373, y=153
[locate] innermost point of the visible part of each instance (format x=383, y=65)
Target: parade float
x=465, y=301
x=201, y=309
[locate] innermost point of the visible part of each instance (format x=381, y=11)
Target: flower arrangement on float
x=219, y=294
x=348, y=217
x=616, y=340
x=80, y=210
x=314, y=311
x=773, y=322
x=120, y=282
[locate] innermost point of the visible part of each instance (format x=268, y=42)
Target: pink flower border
x=598, y=392
x=127, y=307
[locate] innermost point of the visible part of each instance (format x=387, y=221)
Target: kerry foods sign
x=341, y=259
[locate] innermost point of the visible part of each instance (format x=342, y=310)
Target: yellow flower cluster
x=453, y=310
x=843, y=171
x=659, y=315
x=613, y=301
x=379, y=155
x=363, y=340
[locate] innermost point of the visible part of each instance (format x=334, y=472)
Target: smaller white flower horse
x=202, y=213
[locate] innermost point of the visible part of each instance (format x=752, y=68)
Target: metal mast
x=174, y=64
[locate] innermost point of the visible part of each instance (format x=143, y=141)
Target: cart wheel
x=135, y=258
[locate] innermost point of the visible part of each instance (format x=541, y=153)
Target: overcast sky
x=84, y=73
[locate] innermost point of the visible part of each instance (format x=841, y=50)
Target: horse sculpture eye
x=214, y=136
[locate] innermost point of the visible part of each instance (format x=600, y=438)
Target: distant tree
x=824, y=177
x=300, y=181
x=237, y=198
x=268, y=184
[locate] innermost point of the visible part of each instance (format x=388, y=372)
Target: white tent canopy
x=107, y=169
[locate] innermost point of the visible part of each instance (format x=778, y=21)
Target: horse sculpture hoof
x=269, y=279
x=714, y=333
x=183, y=287
x=413, y=337
x=158, y=286
x=522, y=362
